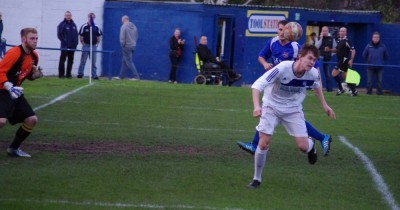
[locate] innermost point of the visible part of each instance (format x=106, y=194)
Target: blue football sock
x=314, y=132
x=256, y=138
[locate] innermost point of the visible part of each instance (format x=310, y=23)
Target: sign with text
x=264, y=23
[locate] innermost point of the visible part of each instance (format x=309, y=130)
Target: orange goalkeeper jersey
x=16, y=66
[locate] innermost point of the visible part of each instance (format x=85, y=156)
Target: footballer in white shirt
x=284, y=88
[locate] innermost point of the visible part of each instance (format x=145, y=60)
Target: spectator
x=84, y=34
x=176, y=47
x=128, y=38
x=326, y=44
x=375, y=53
x=208, y=58
x=313, y=38
x=19, y=63
x=67, y=33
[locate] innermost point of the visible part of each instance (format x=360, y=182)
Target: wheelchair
x=210, y=73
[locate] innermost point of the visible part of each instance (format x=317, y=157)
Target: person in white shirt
x=285, y=88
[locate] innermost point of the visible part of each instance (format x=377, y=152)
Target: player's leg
x=325, y=139
x=351, y=86
x=268, y=122
x=336, y=77
x=260, y=158
x=306, y=145
x=23, y=113
x=250, y=147
x=295, y=126
x=24, y=131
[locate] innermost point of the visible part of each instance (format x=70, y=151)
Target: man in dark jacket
x=325, y=44
x=68, y=35
x=375, y=53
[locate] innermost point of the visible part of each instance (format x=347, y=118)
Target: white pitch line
x=61, y=97
x=119, y=205
x=376, y=177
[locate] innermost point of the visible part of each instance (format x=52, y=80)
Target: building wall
x=45, y=15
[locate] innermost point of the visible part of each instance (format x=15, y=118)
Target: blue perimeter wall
x=156, y=22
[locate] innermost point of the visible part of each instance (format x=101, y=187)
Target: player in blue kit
x=281, y=49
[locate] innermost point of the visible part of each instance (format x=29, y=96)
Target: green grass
x=149, y=145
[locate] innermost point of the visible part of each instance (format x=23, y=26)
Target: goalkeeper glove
x=15, y=92
x=36, y=72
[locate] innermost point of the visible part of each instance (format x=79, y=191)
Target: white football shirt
x=283, y=90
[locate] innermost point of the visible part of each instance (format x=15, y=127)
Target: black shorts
x=342, y=64
x=16, y=111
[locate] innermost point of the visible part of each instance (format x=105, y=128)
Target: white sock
x=260, y=157
x=310, y=145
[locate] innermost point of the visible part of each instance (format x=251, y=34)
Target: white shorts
x=293, y=122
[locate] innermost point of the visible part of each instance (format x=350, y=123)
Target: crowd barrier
x=109, y=54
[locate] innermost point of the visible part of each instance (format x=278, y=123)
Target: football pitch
x=152, y=145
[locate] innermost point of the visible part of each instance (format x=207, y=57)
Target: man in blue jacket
x=375, y=53
x=67, y=33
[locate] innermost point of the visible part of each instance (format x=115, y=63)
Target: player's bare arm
x=267, y=66
x=256, y=103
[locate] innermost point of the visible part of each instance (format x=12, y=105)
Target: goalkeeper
x=18, y=64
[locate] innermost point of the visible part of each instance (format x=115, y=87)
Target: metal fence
x=106, y=72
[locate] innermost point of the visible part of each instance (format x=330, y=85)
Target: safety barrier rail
x=108, y=52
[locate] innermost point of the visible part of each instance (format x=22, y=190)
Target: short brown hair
x=283, y=22
x=26, y=31
x=309, y=48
